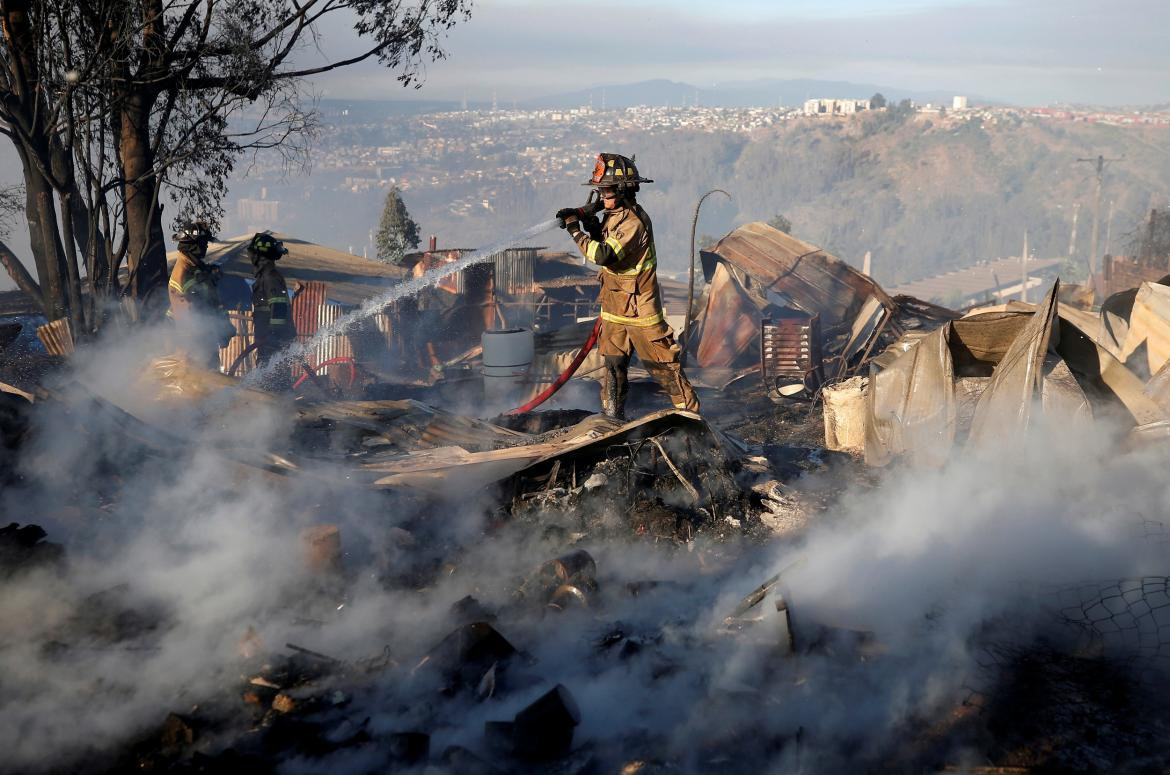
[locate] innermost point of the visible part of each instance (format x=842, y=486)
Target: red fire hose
x=547, y=393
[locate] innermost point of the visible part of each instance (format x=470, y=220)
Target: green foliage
x=878, y=100
x=397, y=231
x=780, y=223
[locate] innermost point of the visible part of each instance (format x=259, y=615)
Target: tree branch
x=21, y=276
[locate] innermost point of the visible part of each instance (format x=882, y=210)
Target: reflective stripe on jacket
x=192, y=286
x=271, y=311
x=629, y=279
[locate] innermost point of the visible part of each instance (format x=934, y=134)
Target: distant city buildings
x=834, y=107
x=463, y=158
x=257, y=214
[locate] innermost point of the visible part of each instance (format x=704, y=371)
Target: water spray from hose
x=298, y=351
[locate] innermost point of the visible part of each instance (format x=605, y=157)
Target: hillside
x=923, y=195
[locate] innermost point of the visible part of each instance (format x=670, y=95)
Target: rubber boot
x=615, y=386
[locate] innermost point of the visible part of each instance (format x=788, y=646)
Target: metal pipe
x=685, y=338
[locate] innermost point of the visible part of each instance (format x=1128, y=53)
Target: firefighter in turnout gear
x=193, y=290
x=271, y=311
x=622, y=244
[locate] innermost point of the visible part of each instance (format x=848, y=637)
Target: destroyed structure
x=473, y=589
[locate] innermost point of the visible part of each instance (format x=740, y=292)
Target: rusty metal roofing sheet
x=731, y=324
x=816, y=281
x=306, y=306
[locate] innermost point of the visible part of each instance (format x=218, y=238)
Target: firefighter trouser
x=659, y=354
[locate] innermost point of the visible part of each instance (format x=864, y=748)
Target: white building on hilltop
x=834, y=107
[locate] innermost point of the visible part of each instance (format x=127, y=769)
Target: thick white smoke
x=192, y=549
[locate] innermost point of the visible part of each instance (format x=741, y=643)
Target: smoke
x=935, y=566
x=176, y=552
x=375, y=304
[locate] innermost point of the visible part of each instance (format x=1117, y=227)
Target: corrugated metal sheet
x=473, y=435
x=730, y=324
x=514, y=271
x=384, y=323
x=815, y=281
x=472, y=470
x=415, y=426
x=241, y=320
x=333, y=346
x=514, y=287
x=979, y=281
x=306, y=307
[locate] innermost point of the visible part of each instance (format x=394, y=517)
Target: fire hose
x=548, y=392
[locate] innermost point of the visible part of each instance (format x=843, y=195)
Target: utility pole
x=1109, y=229
x=1024, y=269
x=1100, y=162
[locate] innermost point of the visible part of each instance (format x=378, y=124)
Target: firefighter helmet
x=193, y=233
x=264, y=245
x=612, y=170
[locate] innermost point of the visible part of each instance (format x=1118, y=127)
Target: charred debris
x=411, y=482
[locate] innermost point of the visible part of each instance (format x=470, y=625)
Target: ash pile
x=205, y=577
x=914, y=540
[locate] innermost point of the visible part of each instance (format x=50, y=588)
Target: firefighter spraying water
x=296, y=352
x=622, y=244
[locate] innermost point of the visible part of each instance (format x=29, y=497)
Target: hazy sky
x=1022, y=51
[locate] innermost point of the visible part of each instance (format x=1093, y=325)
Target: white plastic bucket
x=507, y=356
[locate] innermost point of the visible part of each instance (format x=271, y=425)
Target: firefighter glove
x=567, y=216
x=592, y=226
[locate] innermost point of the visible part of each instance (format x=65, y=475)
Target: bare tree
x=114, y=104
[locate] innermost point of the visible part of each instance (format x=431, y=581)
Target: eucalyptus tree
x=115, y=105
